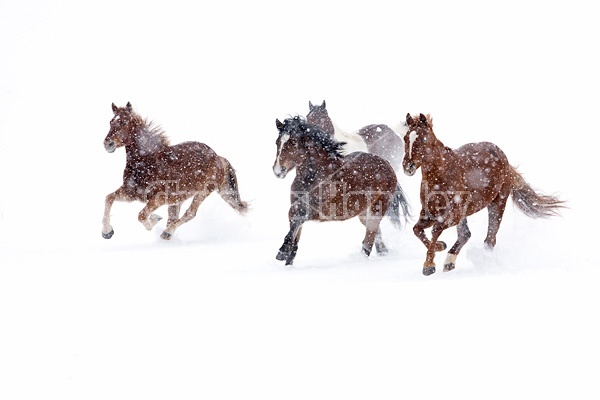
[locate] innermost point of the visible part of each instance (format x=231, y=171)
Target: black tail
x=398, y=207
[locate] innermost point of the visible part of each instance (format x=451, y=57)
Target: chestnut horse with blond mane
x=158, y=174
x=458, y=183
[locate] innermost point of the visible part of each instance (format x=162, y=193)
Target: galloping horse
x=332, y=187
x=159, y=174
x=378, y=139
x=461, y=182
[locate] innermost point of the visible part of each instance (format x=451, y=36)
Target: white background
x=212, y=314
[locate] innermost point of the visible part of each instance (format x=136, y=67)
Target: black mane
x=298, y=127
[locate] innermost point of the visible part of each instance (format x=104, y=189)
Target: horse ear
x=310, y=105
x=409, y=119
x=129, y=107
x=115, y=108
x=423, y=119
x=278, y=124
x=323, y=105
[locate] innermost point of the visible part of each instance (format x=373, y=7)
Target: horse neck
x=316, y=164
x=432, y=166
x=328, y=126
x=324, y=123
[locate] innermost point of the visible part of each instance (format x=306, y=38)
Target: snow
x=211, y=314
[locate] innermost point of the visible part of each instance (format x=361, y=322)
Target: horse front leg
x=423, y=223
x=434, y=245
x=463, y=234
x=289, y=248
x=119, y=194
x=146, y=216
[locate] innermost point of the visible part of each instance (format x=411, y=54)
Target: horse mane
x=150, y=138
x=326, y=141
x=429, y=120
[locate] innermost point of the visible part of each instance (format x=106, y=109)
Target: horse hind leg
x=495, y=213
x=463, y=237
x=146, y=216
x=379, y=245
x=189, y=214
x=372, y=235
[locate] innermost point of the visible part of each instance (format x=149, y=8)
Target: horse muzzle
x=280, y=172
x=410, y=169
x=110, y=145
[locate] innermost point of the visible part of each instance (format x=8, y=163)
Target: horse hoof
x=281, y=256
x=108, y=235
x=383, y=253
x=440, y=246
x=449, y=267
x=166, y=235
x=366, y=252
x=381, y=250
x=428, y=270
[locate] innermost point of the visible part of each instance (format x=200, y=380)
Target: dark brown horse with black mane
x=378, y=139
x=158, y=174
x=332, y=187
x=458, y=183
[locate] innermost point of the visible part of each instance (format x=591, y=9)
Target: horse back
x=381, y=140
x=180, y=170
x=370, y=171
x=483, y=155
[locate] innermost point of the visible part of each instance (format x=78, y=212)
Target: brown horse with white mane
x=461, y=182
x=160, y=174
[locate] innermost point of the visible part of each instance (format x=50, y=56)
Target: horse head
x=318, y=116
x=122, y=127
x=287, y=145
x=416, y=141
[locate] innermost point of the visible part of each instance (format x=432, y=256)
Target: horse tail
x=229, y=188
x=398, y=207
x=533, y=203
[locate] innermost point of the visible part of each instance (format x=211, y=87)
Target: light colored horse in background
x=378, y=139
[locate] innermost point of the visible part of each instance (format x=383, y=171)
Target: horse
x=158, y=174
x=330, y=186
x=458, y=183
x=378, y=139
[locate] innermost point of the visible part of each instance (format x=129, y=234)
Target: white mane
x=353, y=141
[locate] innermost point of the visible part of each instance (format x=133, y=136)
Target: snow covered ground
x=212, y=314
